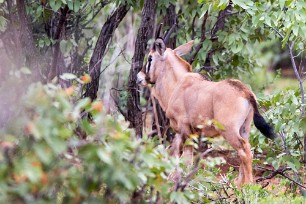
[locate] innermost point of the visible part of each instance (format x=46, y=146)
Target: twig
x=203, y=37
x=294, y=181
x=156, y=119
x=192, y=26
x=280, y=35
x=273, y=174
x=299, y=53
x=117, y=104
x=280, y=171
x=290, y=46
x=182, y=183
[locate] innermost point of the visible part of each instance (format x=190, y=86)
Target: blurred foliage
x=283, y=112
x=46, y=159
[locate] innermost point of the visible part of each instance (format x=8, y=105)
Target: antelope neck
x=172, y=74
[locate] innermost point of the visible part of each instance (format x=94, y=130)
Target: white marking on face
x=141, y=79
x=147, y=67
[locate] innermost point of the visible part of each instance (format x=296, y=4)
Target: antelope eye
x=150, y=58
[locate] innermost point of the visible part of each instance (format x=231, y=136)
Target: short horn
x=167, y=37
x=160, y=46
x=159, y=30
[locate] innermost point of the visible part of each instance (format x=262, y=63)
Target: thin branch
x=182, y=183
x=56, y=53
x=203, y=37
x=299, y=53
x=290, y=46
x=280, y=171
x=221, y=19
x=273, y=174
x=103, y=4
x=156, y=120
x=105, y=35
x=294, y=181
x=192, y=26
x=117, y=103
x=280, y=35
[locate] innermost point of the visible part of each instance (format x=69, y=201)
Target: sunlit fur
x=191, y=102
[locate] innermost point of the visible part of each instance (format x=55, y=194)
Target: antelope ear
x=184, y=49
x=159, y=46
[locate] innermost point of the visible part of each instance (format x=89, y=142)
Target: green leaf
x=68, y=76
x=295, y=30
x=76, y=5
x=241, y=3
x=43, y=152
x=302, y=124
x=55, y=4
x=276, y=163
x=83, y=103
x=207, y=44
x=33, y=173
x=237, y=47
x=292, y=162
x=25, y=70
x=70, y=5
x=58, y=145
x=178, y=197
x=105, y=157
x=215, y=59
x=286, y=38
x=3, y=23
x=218, y=125
x=282, y=4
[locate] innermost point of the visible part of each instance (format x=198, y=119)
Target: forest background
x=76, y=128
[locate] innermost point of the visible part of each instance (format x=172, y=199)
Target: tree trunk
x=145, y=32
x=58, y=68
x=169, y=19
x=106, y=33
x=29, y=49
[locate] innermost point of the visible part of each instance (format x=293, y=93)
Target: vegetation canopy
x=75, y=127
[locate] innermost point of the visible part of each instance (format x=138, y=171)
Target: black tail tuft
x=265, y=128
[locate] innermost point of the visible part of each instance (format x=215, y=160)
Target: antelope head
x=157, y=61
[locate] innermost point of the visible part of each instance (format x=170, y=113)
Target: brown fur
x=191, y=102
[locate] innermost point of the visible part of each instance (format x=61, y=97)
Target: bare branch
x=297, y=75
x=145, y=32
x=182, y=183
x=203, y=37
x=273, y=174
x=280, y=35
x=56, y=53
x=192, y=26
x=156, y=120
x=299, y=53
x=106, y=33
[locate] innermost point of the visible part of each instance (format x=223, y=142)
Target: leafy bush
x=283, y=112
x=49, y=162
x=48, y=159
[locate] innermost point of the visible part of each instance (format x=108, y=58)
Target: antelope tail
x=265, y=128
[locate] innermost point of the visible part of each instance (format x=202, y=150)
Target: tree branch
x=145, y=32
x=183, y=182
x=203, y=37
x=290, y=46
x=106, y=33
x=27, y=41
x=56, y=51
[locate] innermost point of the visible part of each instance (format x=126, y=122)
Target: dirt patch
x=232, y=160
